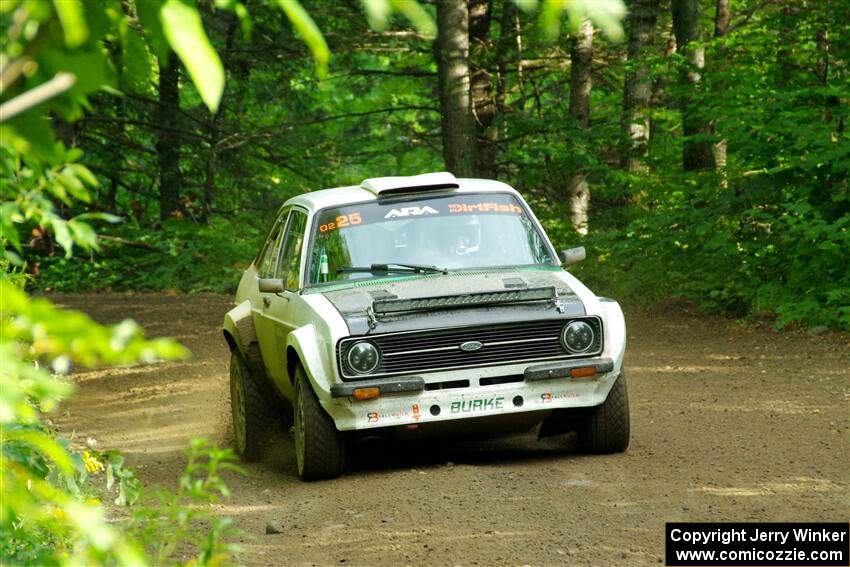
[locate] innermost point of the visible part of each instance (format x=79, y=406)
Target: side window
x=271, y=250
x=290, y=260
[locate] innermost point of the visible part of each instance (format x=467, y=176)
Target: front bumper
x=408, y=401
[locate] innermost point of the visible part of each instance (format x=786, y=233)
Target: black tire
x=606, y=429
x=253, y=417
x=320, y=449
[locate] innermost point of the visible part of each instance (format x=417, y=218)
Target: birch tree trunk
x=722, y=19
x=581, y=61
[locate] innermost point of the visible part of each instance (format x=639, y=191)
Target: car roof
x=340, y=196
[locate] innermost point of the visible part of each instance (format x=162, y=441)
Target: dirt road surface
x=729, y=423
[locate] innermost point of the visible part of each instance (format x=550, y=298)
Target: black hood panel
x=356, y=304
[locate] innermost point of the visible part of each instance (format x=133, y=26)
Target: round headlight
x=578, y=337
x=363, y=357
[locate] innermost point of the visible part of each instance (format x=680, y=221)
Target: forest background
x=702, y=154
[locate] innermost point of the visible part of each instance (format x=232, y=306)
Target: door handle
x=267, y=301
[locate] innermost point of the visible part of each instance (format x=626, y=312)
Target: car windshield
x=425, y=234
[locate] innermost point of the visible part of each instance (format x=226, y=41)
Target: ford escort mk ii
x=419, y=305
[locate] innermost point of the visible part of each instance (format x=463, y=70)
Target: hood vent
x=464, y=300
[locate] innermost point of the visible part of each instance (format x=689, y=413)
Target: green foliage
x=44, y=516
x=170, y=520
x=182, y=256
x=182, y=27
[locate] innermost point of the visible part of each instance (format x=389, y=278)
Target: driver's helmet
x=465, y=236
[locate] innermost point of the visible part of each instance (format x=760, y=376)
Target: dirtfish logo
x=410, y=212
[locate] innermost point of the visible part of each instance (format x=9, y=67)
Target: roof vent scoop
x=410, y=184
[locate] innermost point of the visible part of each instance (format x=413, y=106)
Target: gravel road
x=729, y=423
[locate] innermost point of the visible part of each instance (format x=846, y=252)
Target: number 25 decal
x=341, y=221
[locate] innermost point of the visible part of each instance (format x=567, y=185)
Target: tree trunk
x=637, y=94
x=481, y=88
x=504, y=50
x=452, y=45
x=168, y=141
x=722, y=18
x=581, y=60
x=697, y=154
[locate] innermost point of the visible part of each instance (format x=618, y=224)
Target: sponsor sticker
x=341, y=221
x=485, y=208
x=550, y=397
x=410, y=212
x=482, y=404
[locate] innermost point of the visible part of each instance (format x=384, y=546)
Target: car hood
x=458, y=299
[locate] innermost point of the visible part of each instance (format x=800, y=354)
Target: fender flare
x=615, y=329
x=303, y=346
x=241, y=337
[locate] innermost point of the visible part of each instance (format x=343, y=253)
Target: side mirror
x=572, y=255
x=270, y=285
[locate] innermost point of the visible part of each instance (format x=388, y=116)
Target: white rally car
x=419, y=305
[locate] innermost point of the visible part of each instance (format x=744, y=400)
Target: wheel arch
x=238, y=327
x=303, y=345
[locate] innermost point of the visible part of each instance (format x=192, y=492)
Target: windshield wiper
x=394, y=267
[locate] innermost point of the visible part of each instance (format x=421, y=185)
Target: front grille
x=433, y=350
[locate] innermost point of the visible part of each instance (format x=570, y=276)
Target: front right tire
x=320, y=449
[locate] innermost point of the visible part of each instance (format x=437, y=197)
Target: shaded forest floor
x=729, y=423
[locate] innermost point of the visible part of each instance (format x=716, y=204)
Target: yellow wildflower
x=92, y=464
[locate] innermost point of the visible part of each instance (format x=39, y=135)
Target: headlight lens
x=578, y=337
x=363, y=357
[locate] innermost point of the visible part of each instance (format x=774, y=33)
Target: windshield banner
x=374, y=212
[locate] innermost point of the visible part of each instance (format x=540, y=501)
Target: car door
x=266, y=265
x=278, y=309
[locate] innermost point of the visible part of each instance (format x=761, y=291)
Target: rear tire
x=606, y=429
x=320, y=449
x=253, y=417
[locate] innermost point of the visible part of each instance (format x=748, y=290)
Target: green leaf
x=7, y=226
x=83, y=234
x=30, y=134
x=417, y=16
x=83, y=173
x=185, y=33
x=378, y=13
x=44, y=443
x=309, y=33
x=98, y=216
x=63, y=236
x=149, y=17
x=74, y=186
x=137, y=62
x=89, y=65
x=70, y=13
